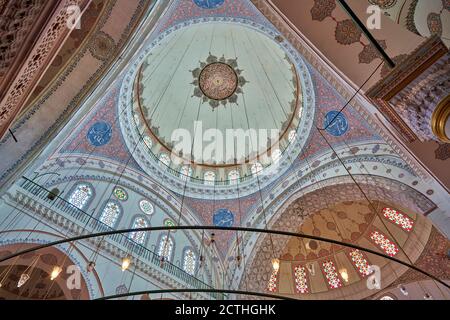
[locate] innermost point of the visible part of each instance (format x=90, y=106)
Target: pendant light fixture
x=26, y=275
x=311, y=269
x=276, y=264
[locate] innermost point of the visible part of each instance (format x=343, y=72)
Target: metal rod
x=249, y=293
x=366, y=32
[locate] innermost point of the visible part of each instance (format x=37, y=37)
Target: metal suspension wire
x=223, y=291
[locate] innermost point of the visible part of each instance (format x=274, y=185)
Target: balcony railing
x=96, y=226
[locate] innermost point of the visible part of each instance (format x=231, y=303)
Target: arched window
x=360, y=262
x=185, y=172
x=292, y=136
x=189, y=261
x=139, y=236
x=384, y=243
x=165, y=159
x=233, y=177
x=257, y=168
x=209, y=177
x=398, y=218
x=276, y=155
x=81, y=196
x=146, y=207
x=331, y=274
x=165, y=248
x=110, y=214
x=148, y=141
x=301, y=281
x=300, y=110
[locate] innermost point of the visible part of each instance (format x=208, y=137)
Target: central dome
x=218, y=77
x=218, y=81
x=216, y=103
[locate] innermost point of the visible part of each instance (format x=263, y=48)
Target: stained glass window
x=209, y=177
x=139, y=236
x=81, y=195
x=272, y=286
x=169, y=223
x=120, y=194
x=331, y=274
x=301, y=282
x=398, y=218
x=257, y=168
x=146, y=207
x=233, y=177
x=276, y=155
x=110, y=214
x=165, y=159
x=185, y=172
x=292, y=136
x=360, y=262
x=300, y=110
x=165, y=247
x=189, y=261
x=384, y=243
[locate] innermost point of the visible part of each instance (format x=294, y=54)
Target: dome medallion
x=218, y=81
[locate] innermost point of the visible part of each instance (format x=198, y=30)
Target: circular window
x=120, y=194
x=169, y=223
x=146, y=207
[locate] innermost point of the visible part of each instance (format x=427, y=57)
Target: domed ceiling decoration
x=232, y=87
x=221, y=63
